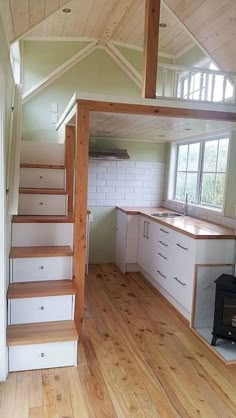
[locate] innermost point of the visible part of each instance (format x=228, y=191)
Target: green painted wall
x=191, y=57
x=230, y=197
x=41, y=58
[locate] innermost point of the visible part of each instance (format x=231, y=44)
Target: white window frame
x=173, y=170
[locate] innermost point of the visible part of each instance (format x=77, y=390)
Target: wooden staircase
x=41, y=331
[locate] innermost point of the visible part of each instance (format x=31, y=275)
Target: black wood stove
x=225, y=309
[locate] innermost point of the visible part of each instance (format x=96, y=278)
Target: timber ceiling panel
x=121, y=21
x=19, y=16
x=213, y=24
x=151, y=128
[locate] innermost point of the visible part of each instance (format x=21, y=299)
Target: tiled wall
x=125, y=183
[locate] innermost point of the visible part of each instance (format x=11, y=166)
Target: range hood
x=113, y=154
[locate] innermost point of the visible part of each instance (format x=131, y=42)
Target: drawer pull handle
x=42, y=308
x=165, y=258
x=165, y=232
x=41, y=203
x=41, y=268
x=179, y=281
x=183, y=248
x=42, y=355
x=162, y=243
x=162, y=275
x=41, y=177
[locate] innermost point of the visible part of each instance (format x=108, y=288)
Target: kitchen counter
x=193, y=227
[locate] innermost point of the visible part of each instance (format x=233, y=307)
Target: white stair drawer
x=33, y=234
x=42, y=356
x=42, y=178
x=41, y=268
x=42, y=204
x=42, y=309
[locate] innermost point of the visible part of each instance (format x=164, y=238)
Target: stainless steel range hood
x=114, y=154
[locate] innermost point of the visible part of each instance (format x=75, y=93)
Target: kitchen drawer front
x=161, y=269
x=164, y=234
x=183, y=243
x=42, y=178
x=42, y=356
x=42, y=204
x=41, y=309
x=181, y=290
x=42, y=268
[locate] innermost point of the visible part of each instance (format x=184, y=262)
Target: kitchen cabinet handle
x=144, y=229
x=148, y=223
x=162, y=243
x=183, y=248
x=165, y=232
x=41, y=268
x=165, y=258
x=42, y=308
x=162, y=275
x=179, y=281
x=42, y=355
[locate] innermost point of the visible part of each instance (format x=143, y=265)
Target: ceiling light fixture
x=66, y=10
x=163, y=25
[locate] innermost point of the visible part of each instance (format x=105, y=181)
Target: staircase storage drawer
x=42, y=204
x=41, y=309
x=42, y=268
x=42, y=356
x=42, y=178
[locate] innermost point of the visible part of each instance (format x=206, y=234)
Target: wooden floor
x=137, y=359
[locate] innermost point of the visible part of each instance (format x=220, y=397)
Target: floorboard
x=137, y=358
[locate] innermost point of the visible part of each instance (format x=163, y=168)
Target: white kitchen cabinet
x=147, y=232
x=126, y=249
x=42, y=356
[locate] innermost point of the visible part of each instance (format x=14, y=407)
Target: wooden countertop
x=187, y=225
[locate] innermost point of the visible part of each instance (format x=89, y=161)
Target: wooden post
x=151, y=41
x=80, y=209
x=70, y=167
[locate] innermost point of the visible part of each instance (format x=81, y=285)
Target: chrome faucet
x=185, y=206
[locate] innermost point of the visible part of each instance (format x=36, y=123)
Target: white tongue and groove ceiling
x=151, y=128
x=106, y=20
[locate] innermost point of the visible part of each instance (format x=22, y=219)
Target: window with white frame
x=201, y=171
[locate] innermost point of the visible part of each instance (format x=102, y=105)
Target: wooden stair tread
x=47, y=166
x=26, y=190
x=41, y=333
x=41, y=289
x=42, y=219
x=42, y=251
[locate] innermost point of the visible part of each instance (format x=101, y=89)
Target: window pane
x=180, y=186
x=193, y=157
x=208, y=189
x=191, y=186
x=182, y=158
x=219, y=194
x=223, y=154
x=210, y=156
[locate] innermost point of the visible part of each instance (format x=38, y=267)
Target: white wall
x=125, y=183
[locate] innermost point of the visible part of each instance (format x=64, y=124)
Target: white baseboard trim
x=131, y=267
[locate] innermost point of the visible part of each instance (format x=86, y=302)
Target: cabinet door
x=142, y=242
x=121, y=237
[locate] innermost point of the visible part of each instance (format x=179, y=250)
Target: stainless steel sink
x=166, y=214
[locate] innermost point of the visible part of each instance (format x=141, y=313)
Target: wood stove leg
x=214, y=339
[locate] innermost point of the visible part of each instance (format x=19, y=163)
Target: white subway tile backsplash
x=127, y=183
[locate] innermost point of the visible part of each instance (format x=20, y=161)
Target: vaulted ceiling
x=209, y=23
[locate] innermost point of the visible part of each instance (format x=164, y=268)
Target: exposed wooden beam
x=151, y=41
x=62, y=69
x=69, y=165
x=151, y=110
x=80, y=209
